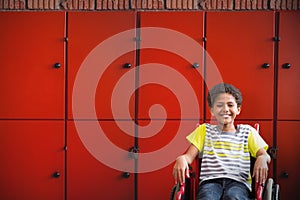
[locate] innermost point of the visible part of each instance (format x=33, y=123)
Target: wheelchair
x=188, y=190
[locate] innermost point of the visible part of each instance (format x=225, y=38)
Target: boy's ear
x=239, y=110
x=211, y=112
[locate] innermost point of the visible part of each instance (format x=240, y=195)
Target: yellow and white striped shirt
x=226, y=154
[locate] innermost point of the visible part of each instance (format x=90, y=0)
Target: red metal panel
x=240, y=43
x=31, y=44
x=166, y=73
x=31, y=152
x=289, y=78
x=102, y=34
x=160, y=144
x=90, y=178
x=156, y=184
x=288, y=159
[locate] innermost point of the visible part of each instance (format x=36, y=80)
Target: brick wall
x=149, y=5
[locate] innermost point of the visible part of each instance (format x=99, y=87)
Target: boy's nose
x=226, y=108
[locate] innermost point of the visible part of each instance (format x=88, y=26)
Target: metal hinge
x=134, y=152
x=276, y=39
x=273, y=152
x=137, y=39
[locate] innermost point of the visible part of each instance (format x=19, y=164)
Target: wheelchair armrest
x=180, y=192
x=259, y=188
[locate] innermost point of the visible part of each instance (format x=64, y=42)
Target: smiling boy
x=225, y=150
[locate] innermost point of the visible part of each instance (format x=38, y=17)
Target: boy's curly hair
x=224, y=88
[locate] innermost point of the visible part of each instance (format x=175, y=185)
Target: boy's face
x=225, y=109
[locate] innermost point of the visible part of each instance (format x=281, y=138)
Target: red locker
x=101, y=59
x=288, y=70
x=171, y=65
x=101, y=85
x=160, y=143
x=288, y=159
x=32, y=159
x=94, y=170
x=288, y=156
x=240, y=45
x=32, y=65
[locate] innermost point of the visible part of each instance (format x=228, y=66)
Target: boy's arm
x=260, y=171
x=181, y=168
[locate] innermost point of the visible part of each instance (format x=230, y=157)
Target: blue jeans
x=222, y=188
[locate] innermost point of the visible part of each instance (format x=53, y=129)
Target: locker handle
x=57, y=65
x=196, y=65
x=56, y=174
x=266, y=65
x=127, y=65
x=284, y=175
x=286, y=66
x=126, y=174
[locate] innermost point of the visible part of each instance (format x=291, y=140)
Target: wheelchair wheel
x=173, y=192
x=268, y=190
x=177, y=188
x=276, y=192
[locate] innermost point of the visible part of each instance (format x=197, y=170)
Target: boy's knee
x=236, y=193
x=209, y=191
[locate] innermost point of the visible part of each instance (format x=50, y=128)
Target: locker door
x=99, y=170
x=288, y=159
x=170, y=93
x=101, y=58
x=240, y=45
x=288, y=70
x=171, y=65
x=159, y=146
x=288, y=106
x=32, y=159
x=32, y=60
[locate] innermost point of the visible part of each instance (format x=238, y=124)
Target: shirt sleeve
x=197, y=137
x=256, y=142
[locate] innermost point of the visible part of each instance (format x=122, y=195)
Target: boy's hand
x=180, y=170
x=260, y=171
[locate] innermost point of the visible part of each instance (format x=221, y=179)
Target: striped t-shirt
x=226, y=154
